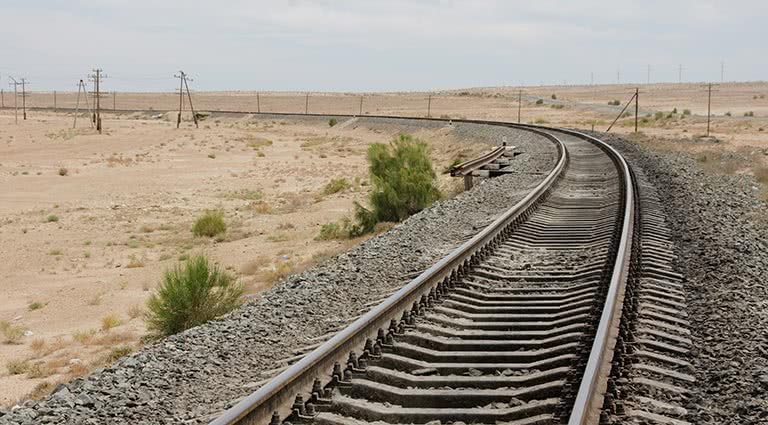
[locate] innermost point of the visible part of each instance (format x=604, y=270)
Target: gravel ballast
x=193, y=376
x=721, y=236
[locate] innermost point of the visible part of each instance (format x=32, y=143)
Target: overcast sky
x=392, y=45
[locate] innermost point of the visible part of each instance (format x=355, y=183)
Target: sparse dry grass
x=252, y=267
x=110, y=321
x=11, y=334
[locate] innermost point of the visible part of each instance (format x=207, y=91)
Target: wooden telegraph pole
x=519, y=104
x=97, y=76
x=361, y=106
x=709, y=107
x=306, y=105
x=24, y=97
x=429, y=105
x=15, y=85
x=637, y=105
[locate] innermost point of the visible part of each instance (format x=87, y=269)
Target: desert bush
x=17, y=367
x=614, y=102
x=658, y=115
x=330, y=231
x=674, y=110
x=728, y=114
x=110, y=321
x=210, y=224
x=749, y=114
x=118, y=352
x=11, y=334
x=554, y=96
x=35, y=306
x=557, y=106
x=332, y=122
x=53, y=218
x=540, y=101
x=686, y=112
x=190, y=295
x=402, y=177
x=336, y=186
x=540, y=121
x=63, y=171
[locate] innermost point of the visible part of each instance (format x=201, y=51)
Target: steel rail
x=589, y=398
x=467, y=167
x=276, y=396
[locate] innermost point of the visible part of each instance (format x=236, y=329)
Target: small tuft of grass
x=17, y=367
x=687, y=112
x=11, y=334
x=210, y=224
x=333, y=231
x=135, y=311
x=212, y=155
x=52, y=218
x=134, y=262
x=336, y=186
x=118, y=352
x=332, y=122
x=554, y=96
x=540, y=121
x=55, y=252
x=83, y=337
x=540, y=101
x=749, y=114
x=63, y=171
x=110, y=321
x=35, y=306
x=614, y=102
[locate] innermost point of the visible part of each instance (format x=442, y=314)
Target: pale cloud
x=378, y=45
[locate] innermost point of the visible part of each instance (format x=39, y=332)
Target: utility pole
x=306, y=104
x=15, y=85
x=54, y=101
x=2, y=99
x=114, y=101
x=180, y=76
x=429, y=105
x=189, y=96
x=183, y=83
x=722, y=72
x=24, y=97
x=258, y=103
x=361, y=106
x=97, y=76
x=637, y=105
x=709, y=107
x=81, y=86
x=519, y=104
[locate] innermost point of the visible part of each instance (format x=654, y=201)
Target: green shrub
x=728, y=114
x=52, y=218
x=332, y=122
x=210, y=224
x=614, y=102
x=686, y=112
x=190, y=295
x=674, y=111
x=331, y=231
x=540, y=102
x=749, y=114
x=554, y=96
x=336, y=186
x=402, y=177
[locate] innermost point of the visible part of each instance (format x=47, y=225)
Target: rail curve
x=546, y=335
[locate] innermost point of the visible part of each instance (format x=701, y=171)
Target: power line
x=183, y=84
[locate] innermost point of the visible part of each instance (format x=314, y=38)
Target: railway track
x=518, y=325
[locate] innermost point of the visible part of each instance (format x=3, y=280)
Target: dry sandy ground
x=129, y=197
x=89, y=222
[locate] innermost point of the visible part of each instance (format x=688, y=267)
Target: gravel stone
x=193, y=376
x=721, y=232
